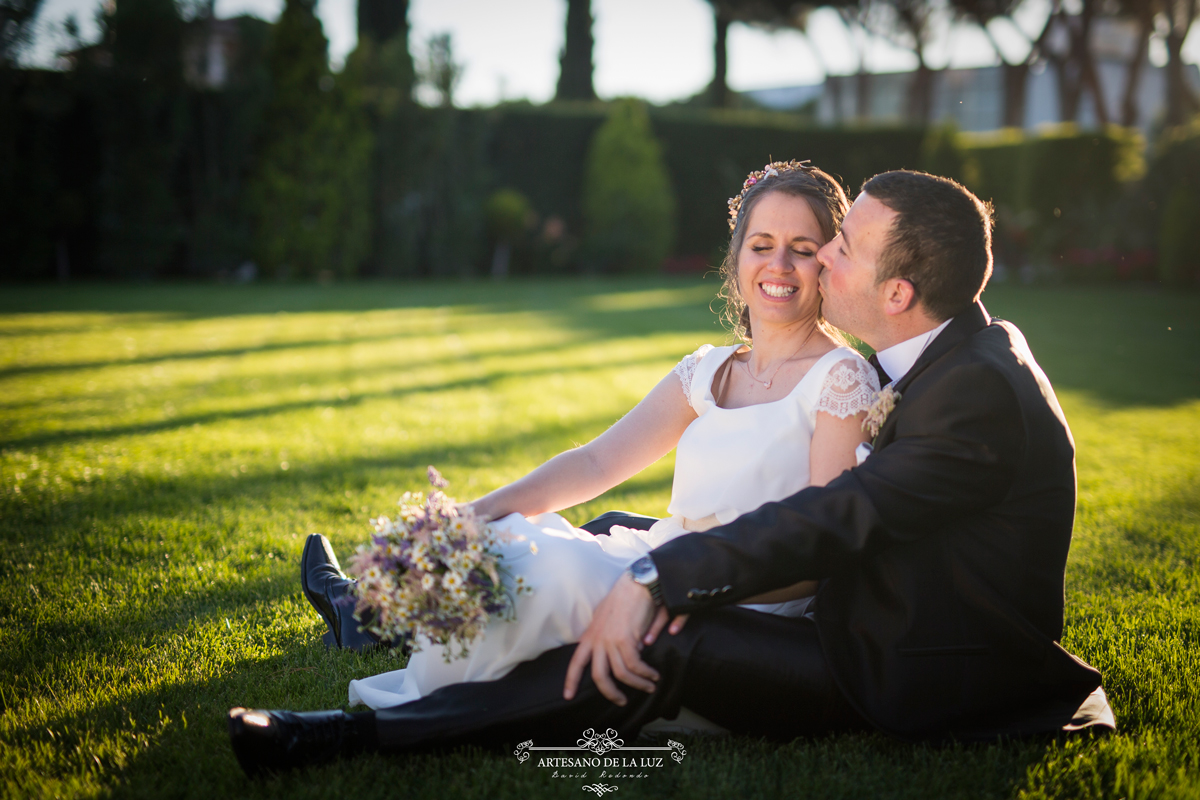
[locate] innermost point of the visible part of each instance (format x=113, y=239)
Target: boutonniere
x=877, y=413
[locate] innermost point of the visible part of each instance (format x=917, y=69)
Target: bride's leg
x=569, y=575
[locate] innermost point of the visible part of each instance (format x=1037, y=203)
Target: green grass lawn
x=164, y=451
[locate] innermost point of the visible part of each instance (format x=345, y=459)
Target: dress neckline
x=708, y=392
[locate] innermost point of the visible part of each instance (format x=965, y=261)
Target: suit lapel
x=961, y=328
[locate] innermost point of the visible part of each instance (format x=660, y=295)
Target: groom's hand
x=613, y=641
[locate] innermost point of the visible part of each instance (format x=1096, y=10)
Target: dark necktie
x=884, y=379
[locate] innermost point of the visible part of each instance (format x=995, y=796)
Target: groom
x=941, y=556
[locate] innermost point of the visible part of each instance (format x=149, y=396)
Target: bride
x=751, y=424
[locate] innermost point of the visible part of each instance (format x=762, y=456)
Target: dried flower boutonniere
x=877, y=413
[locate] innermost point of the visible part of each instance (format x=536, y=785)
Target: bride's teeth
x=778, y=291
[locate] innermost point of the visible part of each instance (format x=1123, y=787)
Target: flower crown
x=772, y=170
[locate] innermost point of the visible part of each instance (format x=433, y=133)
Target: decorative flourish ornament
x=600, y=743
x=877, y=413
x=772, y=170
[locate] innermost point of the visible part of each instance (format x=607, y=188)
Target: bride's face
x=777, y=265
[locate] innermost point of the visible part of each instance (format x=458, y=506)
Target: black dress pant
x=750, y=672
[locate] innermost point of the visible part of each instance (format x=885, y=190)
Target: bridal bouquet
x=433, y=571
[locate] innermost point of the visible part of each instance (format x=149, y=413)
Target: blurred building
x=216, y=51
x=974, y=98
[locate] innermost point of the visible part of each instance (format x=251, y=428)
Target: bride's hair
x=829, y=205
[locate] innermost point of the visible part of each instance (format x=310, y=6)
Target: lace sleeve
x=849, y=388
x=686, y=369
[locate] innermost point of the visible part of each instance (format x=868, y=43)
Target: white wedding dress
x=728, y=462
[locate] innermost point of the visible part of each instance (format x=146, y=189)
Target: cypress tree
x=381, y=20
x=310, y=190
x=575, y=76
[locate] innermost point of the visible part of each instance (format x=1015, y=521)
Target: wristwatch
x=644, y=571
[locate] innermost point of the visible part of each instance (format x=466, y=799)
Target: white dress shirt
x=898, y=359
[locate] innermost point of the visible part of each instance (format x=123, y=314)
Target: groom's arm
x=956, y=452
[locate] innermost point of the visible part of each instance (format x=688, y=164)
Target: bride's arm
x=637, y=440
x=832, y=453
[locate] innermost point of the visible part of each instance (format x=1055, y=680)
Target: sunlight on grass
x=163, y=452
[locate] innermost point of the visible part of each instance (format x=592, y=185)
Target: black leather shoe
x=325, y=586
x=276, y=741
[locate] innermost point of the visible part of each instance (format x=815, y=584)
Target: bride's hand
x=481, y=508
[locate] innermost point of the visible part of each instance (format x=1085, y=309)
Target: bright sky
x=657, y=49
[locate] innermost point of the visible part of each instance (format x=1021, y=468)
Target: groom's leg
x=744, y=670
x=527, y=703
x=761, y=674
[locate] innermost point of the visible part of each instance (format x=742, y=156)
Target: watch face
x=644, y=570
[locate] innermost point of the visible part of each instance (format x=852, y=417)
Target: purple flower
x=436, y=478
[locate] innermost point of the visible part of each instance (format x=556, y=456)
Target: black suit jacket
x=942, y=555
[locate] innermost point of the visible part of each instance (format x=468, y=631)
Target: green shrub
x=628, y=204
x=509, y=216
x=507, y=212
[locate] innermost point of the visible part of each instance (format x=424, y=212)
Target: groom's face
x=850, y=262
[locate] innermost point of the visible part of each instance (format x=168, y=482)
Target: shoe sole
x=237, y=733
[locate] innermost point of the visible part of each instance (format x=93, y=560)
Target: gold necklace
x=767, y=383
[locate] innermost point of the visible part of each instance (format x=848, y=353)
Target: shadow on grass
x=1110, y=342
x=216, y=417
x=44, y=518
x=206, y=301
x=196, y=355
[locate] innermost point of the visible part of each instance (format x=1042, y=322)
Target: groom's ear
x=899, y=296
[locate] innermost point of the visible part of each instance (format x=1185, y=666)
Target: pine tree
x=310, y=191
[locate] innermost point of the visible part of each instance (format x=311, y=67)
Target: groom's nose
x=825, y=252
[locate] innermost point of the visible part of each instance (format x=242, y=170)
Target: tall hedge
x=225, y=127
x=541, y=150
x=49, y=163
x=1056, y=190
x=710, y=154
x=1173, y=186
x=141, y=116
